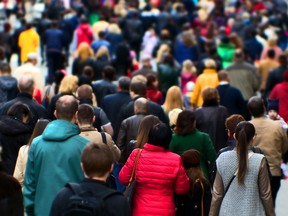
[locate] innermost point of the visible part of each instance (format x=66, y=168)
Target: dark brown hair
x=245, y=131
x=185, y=123
x=232, y=122
x=19, y=110
x=96, y=159
x=85, y=114
x=38, y=129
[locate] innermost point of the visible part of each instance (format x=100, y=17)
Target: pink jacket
x=159, y=174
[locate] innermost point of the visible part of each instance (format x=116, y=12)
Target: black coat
x=13, y=134
x=211, y=119
x=38, y=111
x=115, y=204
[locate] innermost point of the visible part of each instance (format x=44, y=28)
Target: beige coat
x=20, y=166
x=264, y=67
x=92, y=134
x=272, y=139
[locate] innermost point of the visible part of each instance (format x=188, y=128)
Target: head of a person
x=244, y=134
x=32, y=57
x=160, y=135
x=83, y=20
x=102, y=52
x=69, y=84
x=141, y=106
x=137, y=89
x=124, y=84
x=84, y=92
x=59, y=75
x=2, y=53
x=165, y=34
x=256, y=106
x=97, y=161
x=5, y=69
x=271, y=54
x=273, y=108
x=20, y=112
x=54, y=24
x=26, y=84
x=101, y=35
x=173, y=116
x=84, y=51
x=173, y=99
x=168, y=59
x=282, y=59
x=66, y=108
x=152, y=81
x=109, y=73
x=223, y=76
x=185, y=123
x=143, y=131
x=163, y=50
x=139, y=78
x=85, y=114
x=210, y=96
x=88, y=72
x=272, y=41
x=232, y=122
x=210, y=64
x=29, y=26
x=38, y=129
x=188, y=38
x=238, y=55
x=188, y=67
x=146, y=61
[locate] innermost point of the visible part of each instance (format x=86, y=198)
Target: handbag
x=130, y=189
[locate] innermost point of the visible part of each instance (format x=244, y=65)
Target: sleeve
x=59, y=202
x=18, y=171
x=269, y=82
x=114, y=149
x=265, y=189
x=182, y=182
x=37, y=40
x=172, y=144
x=284, y=141
x=196, y=93
x=217, y=195
x=273, y=94
x=256, y=80
x=30, y=183
x=209, y=149
x=103, y=118
x=121, y=139
x=126, y=171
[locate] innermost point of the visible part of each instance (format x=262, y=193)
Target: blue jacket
x=53, y=160
x=54, y=40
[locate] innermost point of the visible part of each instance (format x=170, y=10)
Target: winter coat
x=226, y=52
x=8, y=88
x=159, y=174
x=195, y=140
x=78, y=65
x=84, y=34
x=29, y=41
x=13, y=134
x=183, y=52
x=211, y=119
x=280, y=91
x=208, y=78
x=185, y=78
x=168, y=76
x=53, y=160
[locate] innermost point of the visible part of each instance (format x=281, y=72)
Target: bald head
x=66, y=108
x=84, y=92
x=26, y=84
x=141, y=105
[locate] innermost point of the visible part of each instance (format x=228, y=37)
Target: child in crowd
x=188, y=74
x=272, y=109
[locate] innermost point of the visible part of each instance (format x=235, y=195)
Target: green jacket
x=226, y=53
x=53, y=160
x=195, y=140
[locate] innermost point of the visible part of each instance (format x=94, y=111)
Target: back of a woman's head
x=68, y=84
x=38, y=129
x=185, y=123
x=143, y=131
x=102, y=52
x=210, y=94
x=245, y=131
x=160, y=135
x=232, y=122
x=19, y=111
x=173, y=99
x=84, y=51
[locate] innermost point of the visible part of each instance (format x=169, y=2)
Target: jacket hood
x=60, y=130
x=11, y=126
x=8, y=83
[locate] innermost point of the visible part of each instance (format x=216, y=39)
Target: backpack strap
x=76, y=189
x=103, y=135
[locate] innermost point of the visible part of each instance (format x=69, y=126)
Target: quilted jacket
x=159, y=174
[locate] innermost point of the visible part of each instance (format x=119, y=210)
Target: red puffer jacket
x=159, y=174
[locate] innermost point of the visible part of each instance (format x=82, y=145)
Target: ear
x=81, y=164
x=234, y=136
x=112, y=166
x=55, y=114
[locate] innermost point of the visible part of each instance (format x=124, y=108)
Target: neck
x=104, y=178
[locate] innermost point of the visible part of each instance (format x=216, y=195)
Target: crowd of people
x=185, y=101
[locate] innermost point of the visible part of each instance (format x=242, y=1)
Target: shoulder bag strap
x=74, y=187
x=135, y=166
x=103, y=135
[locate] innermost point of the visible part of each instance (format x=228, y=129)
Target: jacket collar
x=24, y=95
x=86, y=101
x=209, y=71
x=151, y=147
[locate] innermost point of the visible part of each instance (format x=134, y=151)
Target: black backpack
x=85, y=203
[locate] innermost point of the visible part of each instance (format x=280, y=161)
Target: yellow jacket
x=209, y=78
x=28, y=42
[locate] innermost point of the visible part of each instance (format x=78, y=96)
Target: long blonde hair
x=188, y=67
x=173, y=99
x=68, y=84
x=164, y=48
x=84, y=51
x=102, y=51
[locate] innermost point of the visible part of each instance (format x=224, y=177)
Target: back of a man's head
x=141, y=105
x=282, y=60
x=84, y=92
x=85, y=114
x=256, y=106
x=223, y=76
x=124, y=83
x=238, y=55
x=97, y=160
x=109, y=73
x=138, y=88
x=66, y=107
x=26, y=84
x=271, y=54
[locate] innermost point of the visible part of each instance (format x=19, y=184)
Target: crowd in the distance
x=167, y=108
